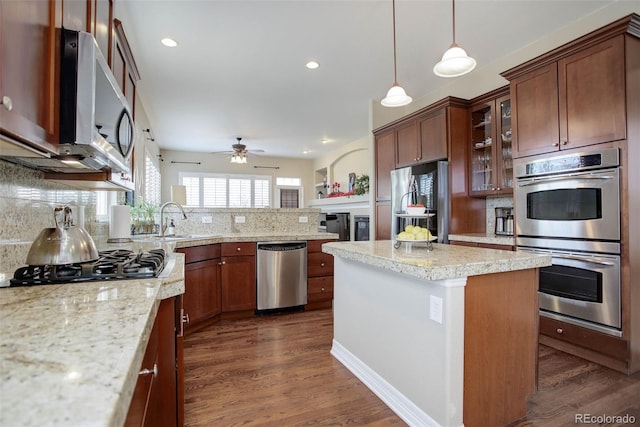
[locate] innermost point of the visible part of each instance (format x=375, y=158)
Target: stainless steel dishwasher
x=281, y=275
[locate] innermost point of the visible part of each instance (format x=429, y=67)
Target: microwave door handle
x=535, y=181
x=587, y=260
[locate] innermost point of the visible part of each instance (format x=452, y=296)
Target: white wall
x=219, y=163
x=354, y=157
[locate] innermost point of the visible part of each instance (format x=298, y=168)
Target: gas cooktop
x=118, y=264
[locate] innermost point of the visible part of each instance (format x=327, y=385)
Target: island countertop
x=70, y=353
x=443, y=262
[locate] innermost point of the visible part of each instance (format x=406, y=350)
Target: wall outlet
x=207, y=220
x=303, y=219
x=239, y=219
x=435, y=308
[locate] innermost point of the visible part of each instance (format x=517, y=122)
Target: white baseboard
x=395, y=400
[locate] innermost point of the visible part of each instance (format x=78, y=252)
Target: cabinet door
x=383, y=220
x=433, y=136
x=320, y=289
x=102, y=29
x=483, y=143
x=238, y=277
x=534, y=102
x=504, y=149
x=407, y=144
x=75, y=14
x=385, y=163
x=202, y=290
x=28, y=81
x=319, y=264
x=592, y=95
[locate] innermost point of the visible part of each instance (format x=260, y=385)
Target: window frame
x=200, y=176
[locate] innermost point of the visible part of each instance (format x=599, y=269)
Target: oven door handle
x=587, y=260
x=535, y=181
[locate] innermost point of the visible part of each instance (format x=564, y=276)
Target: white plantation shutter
x=151, y=181
x=214, y=192
x=222, y=191
x=261, y=193
x=239, y=193
x=193, y=190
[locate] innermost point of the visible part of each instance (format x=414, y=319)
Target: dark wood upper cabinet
x=407, y=144
x=572, y=97
x=592, y=95
x=28, y=81
x=433, y=136
x=385, y=163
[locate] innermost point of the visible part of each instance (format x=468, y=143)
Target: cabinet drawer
x=316, y=245
x=593, y=340
x=319, y=264
x=234, y=249
x=320, y=289
x=199, y=253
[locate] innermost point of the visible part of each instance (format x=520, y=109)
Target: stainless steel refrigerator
x=427, y=184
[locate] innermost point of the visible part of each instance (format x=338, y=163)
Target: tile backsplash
x=27, y=201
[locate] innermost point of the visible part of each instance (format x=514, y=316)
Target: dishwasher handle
x=281, y=246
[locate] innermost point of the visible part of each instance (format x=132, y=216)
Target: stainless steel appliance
x=281, y=275
x=97, y=131
x=569, y=207
x=361, y=224
x=504, y=221
x=339, y=223
x=427, y=184
x=118, y=264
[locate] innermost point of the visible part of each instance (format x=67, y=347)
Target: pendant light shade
x=455, y=61
x=396, y=97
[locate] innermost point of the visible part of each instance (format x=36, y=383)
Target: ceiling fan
x=240, y=152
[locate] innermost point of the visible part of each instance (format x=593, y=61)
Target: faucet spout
x=163, y=225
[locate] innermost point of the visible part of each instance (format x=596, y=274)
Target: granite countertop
x=489, y=238
x=70, y=353
x=443, y=262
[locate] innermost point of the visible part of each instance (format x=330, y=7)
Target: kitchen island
x=444, y=337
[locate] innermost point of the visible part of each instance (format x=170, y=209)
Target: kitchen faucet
x=163, y=225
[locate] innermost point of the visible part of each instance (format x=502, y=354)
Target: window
x=151, y=181
x=208, y=190
x=288, y=192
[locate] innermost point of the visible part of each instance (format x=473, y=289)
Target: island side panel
x=382, y=320
x=500, y=346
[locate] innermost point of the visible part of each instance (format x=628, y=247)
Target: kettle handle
x=66, y=216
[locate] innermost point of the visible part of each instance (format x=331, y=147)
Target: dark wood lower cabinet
x=238, y=277
x=483, y=245
x=319, y=276
x=155, y=401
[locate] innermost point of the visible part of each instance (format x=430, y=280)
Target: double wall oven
x=569, y=207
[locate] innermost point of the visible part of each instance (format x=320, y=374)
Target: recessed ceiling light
x=169, y=42
x=306, y=151
x=312, y=65
x=324, y=141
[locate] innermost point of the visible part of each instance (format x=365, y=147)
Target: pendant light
x=455, y=61
x=396, y=97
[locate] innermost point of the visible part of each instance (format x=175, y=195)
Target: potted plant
x=142, y=218
x=362, y=184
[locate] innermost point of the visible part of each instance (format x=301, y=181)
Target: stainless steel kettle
x=64, y=244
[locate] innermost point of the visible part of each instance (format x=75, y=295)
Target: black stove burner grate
x=117, y=264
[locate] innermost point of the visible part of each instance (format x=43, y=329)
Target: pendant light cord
x=395, y=72
x=453, y=19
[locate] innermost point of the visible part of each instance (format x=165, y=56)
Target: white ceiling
x=239, y=69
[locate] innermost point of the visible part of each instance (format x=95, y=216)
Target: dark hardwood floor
x=277, y=371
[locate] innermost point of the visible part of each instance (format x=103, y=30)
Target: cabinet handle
x=559, y=330
x=498, y=189
x=322, y=264
x=185, y=318
x=238, y=249
x=555, y=144
x=321, y=289
x=7, y=102
x=153, y=371
x=564, y=141
x=222, y=262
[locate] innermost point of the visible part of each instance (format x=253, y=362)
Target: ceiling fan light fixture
x=396, y=97
x=455, y=62
x=239, y=158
